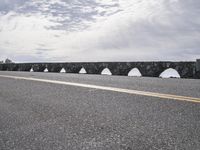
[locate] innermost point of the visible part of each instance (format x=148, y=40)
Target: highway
x=59, y=111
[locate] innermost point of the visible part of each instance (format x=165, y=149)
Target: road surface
x=51, y=111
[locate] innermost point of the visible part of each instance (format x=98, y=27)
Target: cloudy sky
x=99, y=30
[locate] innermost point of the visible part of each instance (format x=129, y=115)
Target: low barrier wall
x=150, y=69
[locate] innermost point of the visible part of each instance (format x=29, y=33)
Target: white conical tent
x=63, y=70
x=106, y=71
x=134, y=73
x=46, y=70
x=169, y=73
x=82, y=71
x=31, y=70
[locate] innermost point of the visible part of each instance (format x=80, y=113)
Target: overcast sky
x=99, y=30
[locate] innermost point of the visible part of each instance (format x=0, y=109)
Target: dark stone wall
x=197, y=69
x=149, y=69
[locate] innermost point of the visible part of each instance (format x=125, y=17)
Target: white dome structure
x=63, y=70
x=106, y=71
x=31, y=70
x=170, y=73
x=46, y=70
x=134, y=73
x=82, y=71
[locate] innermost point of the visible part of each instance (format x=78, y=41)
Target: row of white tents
x=168, y=73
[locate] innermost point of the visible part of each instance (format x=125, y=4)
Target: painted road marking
x=121, y=90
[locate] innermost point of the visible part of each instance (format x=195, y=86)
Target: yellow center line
x=121, y=90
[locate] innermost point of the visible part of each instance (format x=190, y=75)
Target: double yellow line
x=121, y=90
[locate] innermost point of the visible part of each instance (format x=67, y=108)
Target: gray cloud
x=69, y=13
x=7, y=5
x=95, y=30
x=177, y=38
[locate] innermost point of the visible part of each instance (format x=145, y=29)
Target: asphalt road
x=48, y=116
